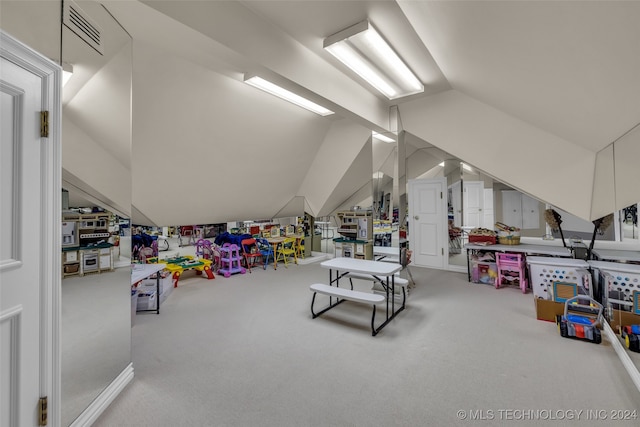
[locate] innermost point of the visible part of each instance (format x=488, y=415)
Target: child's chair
x=511, y=270
x=266, y=250
x=203, y=249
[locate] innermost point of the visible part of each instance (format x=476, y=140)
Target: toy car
x=631, y=336
x=581, y=318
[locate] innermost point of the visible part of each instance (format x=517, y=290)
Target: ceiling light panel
x=383, y=138
x=287, y=95
x=362, y=49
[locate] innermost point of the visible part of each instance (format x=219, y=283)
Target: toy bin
x=619, y=284
x=507, y=235
x=544, y=271
x=484, y=272
x=147, y=299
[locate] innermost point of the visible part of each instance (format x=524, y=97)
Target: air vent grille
x=83, y=26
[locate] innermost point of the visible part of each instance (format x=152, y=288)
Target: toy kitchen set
x=86, y=246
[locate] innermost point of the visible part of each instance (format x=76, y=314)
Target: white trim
x=102, y=402
x=13, y=316
x=457, y=268
x=51, y=166
x=631, y=368
x=16, y=172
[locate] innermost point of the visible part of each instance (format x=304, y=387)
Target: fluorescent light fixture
x=441, y=164
x=466, y=167
x=382, y=138
x=273, y=89
x=378, y=175
x=361, y=48
x=67, y=72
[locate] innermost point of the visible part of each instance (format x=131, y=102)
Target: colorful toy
x=582, y=316
x=631, y=336
x=230, y=260
x=178, y=265
x=511, y=270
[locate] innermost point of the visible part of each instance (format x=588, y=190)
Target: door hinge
x=441, y=195
x=44, y=124
x=42, y=411
x=442, y=249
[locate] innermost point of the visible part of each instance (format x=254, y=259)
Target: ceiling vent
x=83, y=26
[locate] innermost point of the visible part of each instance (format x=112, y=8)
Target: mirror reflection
x=609, y=244
x=384, y=204
x=96, y=138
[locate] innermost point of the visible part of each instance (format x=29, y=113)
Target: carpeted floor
x=244, y=351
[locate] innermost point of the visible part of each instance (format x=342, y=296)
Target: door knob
x=416, y=217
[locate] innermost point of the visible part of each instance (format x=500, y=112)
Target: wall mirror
x=384, y=204
x=96, y=306
x=475, y=199
x=96, y=144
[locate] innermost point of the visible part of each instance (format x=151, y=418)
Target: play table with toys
x=177, y=266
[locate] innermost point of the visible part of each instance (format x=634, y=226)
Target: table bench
x=383, y=272
x=342, y=295
x=380, y=285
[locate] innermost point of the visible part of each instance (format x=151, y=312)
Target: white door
x=428, y=236
x=27, y=172
x=473, y=203
x=530, y=213
x=456, y=203
x=512, y=208
x=488, y=216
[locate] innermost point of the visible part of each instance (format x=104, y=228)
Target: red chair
x=250, y=253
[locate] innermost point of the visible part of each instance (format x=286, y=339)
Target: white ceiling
x=568, y=69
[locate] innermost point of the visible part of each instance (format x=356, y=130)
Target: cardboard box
x=547, y=309
x=623, y=318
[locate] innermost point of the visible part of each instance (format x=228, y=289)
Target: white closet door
x=473, y=203
x=456, y=202
x=512, y=208
x=488, y=218
x=530, y=212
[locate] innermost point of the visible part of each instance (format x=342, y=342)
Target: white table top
x=559, y=251
x=354, y=265
x=142, y=271
x=615, y=266
x=558, y=262
x=617, y=255
x=386, y=250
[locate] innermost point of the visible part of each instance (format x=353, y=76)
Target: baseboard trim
x=315, y=257
x=102, y=402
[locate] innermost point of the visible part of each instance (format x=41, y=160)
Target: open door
x=30, y=200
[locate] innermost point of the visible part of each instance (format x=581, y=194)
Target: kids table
x=178, y=265
x=382, y=272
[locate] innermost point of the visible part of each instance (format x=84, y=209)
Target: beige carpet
x=244, y=351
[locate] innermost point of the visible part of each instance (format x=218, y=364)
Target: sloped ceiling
x=529, y=92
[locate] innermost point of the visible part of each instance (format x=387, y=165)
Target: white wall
x=208, y=148
x=96, y=168
x=538, y=163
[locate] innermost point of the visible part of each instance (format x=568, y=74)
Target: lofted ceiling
x=528, y=91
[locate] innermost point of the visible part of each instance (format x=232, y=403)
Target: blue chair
x=266, y=250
